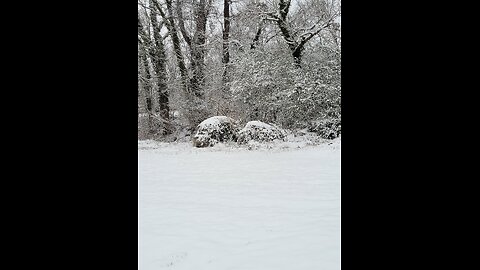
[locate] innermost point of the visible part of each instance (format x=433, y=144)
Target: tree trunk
x=145, y=103
x=155, y=48
x=257, y=36
x=197, y=110
x=226, y=33
x=146, y=84
x=159, y=58
x=297, y=57
x=198, y=50
x=173, y=32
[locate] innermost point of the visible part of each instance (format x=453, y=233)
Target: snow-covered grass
x=227, y=207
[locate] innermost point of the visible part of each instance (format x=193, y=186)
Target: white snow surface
x=214, y=122
x=227, y=207
x=252, y=124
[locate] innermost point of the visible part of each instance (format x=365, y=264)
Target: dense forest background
x=276, y=61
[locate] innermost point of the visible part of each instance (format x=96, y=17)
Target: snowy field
x=226, y=208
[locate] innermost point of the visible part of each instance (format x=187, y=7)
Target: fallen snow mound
x=260, y=132
x=215, y=129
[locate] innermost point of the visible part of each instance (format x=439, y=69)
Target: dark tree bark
x=144, y=93
x=155, y=48
x=197, y=111
x=257, y=36
x=198, y=50
x=146, y=69
x=181, y=23
x=159, y=58
x=146, y=82
x=173, y=33
x=226, y=31
x=226, y=42
x=196, y=44
x=283, y=8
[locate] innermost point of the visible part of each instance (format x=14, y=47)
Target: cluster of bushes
x=224, y=129
x=262, y=86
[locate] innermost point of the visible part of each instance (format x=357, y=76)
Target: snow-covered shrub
x=269, y=88
x=260, y=132
x=258, y=79
x=326, y=128
x=315, y=94
x=215, y=129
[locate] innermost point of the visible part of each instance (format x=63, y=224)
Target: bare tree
x=159, y=58
x=154, y=46
x=168, y=18
x=146, y=78
x=196, y=42
x=297, y=38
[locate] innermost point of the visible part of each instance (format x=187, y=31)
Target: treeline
x=276, y=61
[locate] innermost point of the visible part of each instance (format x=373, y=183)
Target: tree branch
x=181, y=24
x=310, y=35
x=284, y=7
x=257, y=36
x=282, y=24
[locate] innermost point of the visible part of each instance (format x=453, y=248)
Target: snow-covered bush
x=326, y=128
x=215, y=129
x=269, y=88
x=257, y=81
x=315, y=94
x=259, y=132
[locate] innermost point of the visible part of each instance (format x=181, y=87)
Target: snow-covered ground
x=226, y=208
